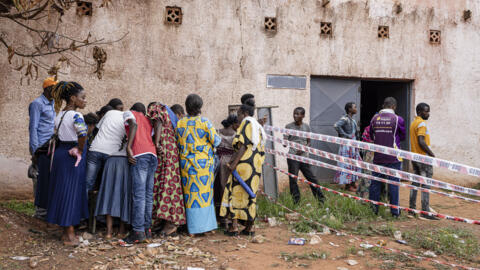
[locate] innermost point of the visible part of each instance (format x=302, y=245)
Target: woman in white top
x=68, y=205
x=114, y=194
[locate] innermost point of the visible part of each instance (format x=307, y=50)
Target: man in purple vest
x=387, y=129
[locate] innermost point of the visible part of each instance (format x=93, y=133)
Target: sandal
x=229, y=233
x=247, y=233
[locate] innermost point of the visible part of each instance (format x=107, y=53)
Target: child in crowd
x=141, y=153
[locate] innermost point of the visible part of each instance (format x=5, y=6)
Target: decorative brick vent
x=435, y=36
x=467, y=15
x=84, y=8
x=383, y=31
x=173, y=15
x=270, y=24
x=326, y=29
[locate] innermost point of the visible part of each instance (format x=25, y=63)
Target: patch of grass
x=457, y=242
x=24, y=207
x=352, y=250
x=440, y=266
x=335, y=212
x=369, y=229
x=313, y=255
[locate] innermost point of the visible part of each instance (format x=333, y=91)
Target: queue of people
x=157, y=166
x=147, y=166
x=387, y=129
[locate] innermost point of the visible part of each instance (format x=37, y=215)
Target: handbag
x=54, y=141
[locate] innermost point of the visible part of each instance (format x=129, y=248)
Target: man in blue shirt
x=41, y=129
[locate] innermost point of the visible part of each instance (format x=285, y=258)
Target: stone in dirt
x=33, y=262
x=342, y=268
x=87, y=236
x=397, y=235
x=315, y=240
x=430, y=253
x=272, y=222
x=258, y=239
x=292, y=216
x=351, y=262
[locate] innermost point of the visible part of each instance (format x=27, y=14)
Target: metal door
x=269, y=175
x=328, y=97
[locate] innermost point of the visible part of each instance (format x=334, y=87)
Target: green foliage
x=457, y=242
x=24, y=207
x=335, y=212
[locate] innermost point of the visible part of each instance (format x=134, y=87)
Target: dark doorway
x=372, y=95
x=328, y=96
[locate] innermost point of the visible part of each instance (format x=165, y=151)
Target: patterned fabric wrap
x=342, y=177
x=236, y=202
x=167, y=190
x=80, y=125
x=197, y=139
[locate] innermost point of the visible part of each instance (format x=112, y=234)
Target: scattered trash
x=103, y=247
x=333, y=244
x=152, y=252
x=315, y=240
x=403, y=242
x=455, y=236
x=326, y=230
x=242, y=246
x=397, y=235
x=20, y=258
x=297, y=241
x=195, y=268
x=360, y=253
x=351, y=240
x=342, y=268
x=430, y=253
x=71, y=256
x=153, y=245
x=272, y=222
x=381, y=243
x=258, y=239
x=462, y=241
x=365, y=245
x=351, y=262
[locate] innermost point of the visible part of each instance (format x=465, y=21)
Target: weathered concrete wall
x=221, y=52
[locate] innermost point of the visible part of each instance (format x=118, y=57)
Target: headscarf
x=154, y=112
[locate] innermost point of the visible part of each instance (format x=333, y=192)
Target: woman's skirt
x=114, y=195
x=347, y=178
x=67, y=203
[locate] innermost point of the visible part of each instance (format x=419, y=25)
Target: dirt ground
x=22, y=235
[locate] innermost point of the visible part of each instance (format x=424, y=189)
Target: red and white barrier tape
x=325, y=165
x=359, y=239
x=441, y=163
x=380, y=169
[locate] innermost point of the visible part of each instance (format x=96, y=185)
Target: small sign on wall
x=286, y=81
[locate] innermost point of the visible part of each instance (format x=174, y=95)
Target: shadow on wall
x=14, y=180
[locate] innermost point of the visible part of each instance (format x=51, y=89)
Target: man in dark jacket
x=387, y=129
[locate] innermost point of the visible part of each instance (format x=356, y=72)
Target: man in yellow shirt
x=420, y=144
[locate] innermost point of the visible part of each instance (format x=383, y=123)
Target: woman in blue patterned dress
x=197, y=139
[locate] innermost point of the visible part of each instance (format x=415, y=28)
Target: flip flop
x=227, y=233
x=247, y=233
